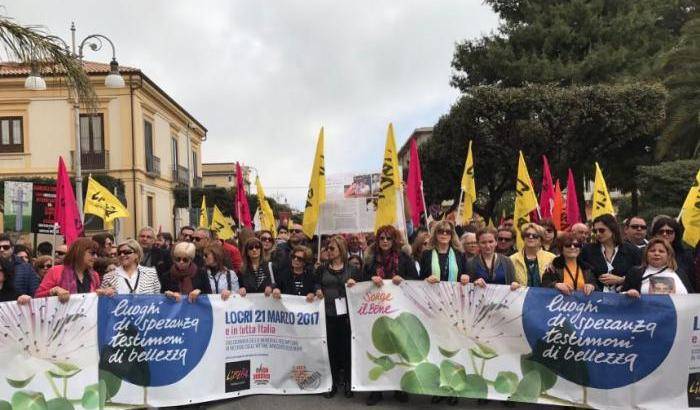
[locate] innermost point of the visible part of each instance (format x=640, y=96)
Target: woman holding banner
x=256, y=276
x=299, y=279
x=130, y=277
x=609, y=257
x=531, y=262
x=568, y=273
x=444, y=260
x=331, y=280
x=76, y=275
x=670, y=230
x=185, y=277
x=489, y=266
x=222, y=280
x=657, y=274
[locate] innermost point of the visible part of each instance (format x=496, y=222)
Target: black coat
x=555, y=272
x=406, y=268
x=333, y=284
x=247, y=280
x=628, y=256
x=426, y=261
x=159, y=259
x=8, y=293
x=200, y=281
x=286, y=281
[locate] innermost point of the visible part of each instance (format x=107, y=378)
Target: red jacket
x=235, y=254
x=53, y=279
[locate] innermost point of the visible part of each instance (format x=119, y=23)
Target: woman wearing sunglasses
x=657, y=274
x=568, y=272
x=385, y=260
x=609, y=257
x=444, y=260
x=531, y=262
x=255, y=274
x=185, y=277
x=76, y=275
x=42, y=264
x=130, y=277
x=671, y=231
x=299, y=279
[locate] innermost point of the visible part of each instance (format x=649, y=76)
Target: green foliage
x=112, y=383
x=665, y=186
x=452, y=375
x=59, y=403
x=573, y=126
x=404, y=335
x=682, y=78
x=20, y=384
x=5, y=405
x=546, y=376
x=506, y=383
x=568, y=42
x=28, y=400
x=223, y=198
x=424, y=379
x=106, y=181
x=94, y=396
x=529, y=388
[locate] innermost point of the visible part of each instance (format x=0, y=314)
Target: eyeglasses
x=255, y=246
x=125, y=253
x=295, y=231
x=573, y=245
x=600, y=230
x=531, y=236
x=266, y=239
x=667, y=232
x=444, y=232
x=60, y=253
x=297, y=258
x=5, y=247
x=386, y=238
x=638, y=227
x=182, y=260
x=47, y=266
x=504, y=239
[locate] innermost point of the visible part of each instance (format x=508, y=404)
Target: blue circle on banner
x=603, y=341
x=149, y=340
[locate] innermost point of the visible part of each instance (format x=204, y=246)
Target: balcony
x=180, y=175
x=94, y=161
x=152, y=165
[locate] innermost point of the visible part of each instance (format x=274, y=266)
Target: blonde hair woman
x=531, y=263
x=130, y=277
x=185, y=277
x=444, y=261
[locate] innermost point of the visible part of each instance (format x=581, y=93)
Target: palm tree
x=680, y=138
x=31, y=45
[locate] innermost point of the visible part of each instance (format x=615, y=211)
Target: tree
x=573, y=126
x=31, y=45
x=682, y=70
x=567, y=42
x=666, y=186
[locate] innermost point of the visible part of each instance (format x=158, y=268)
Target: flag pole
x=460, y=207
x=425, y=206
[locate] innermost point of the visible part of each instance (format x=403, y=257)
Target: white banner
x=156, y=352
x=532, y=345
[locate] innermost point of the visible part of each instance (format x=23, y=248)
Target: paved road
x=262, y=402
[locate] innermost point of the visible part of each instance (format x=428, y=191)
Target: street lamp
x=113, y=80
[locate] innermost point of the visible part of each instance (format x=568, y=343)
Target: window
x=148, y=138
x=149, y=211
x=91, y=133
x=11, y=138
x=174, y=152
x=194, y=164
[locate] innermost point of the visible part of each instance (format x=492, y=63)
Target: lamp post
x=113, y=80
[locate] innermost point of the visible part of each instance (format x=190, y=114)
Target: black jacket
x=286, y=282
x=628, y=256
x=247, y=279
x=158, y=258
x=200, y=281
x=406, y=268
x=426, y=261
x=555, y=272
x=8, y=293
x=333, y=284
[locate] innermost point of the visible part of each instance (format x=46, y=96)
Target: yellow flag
x=100, y=202
x=220, y=226
x=267, y=218
x=602, y=204
x=690, y=214
x=525, y=199
x=469, y=189
x=390, y=185
x=203, y=217
x=317, y=190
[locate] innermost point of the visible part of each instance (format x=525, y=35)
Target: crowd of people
x=630, y=258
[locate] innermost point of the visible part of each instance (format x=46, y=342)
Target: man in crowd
x=235, y=261
x=153, y=256
x=25, y=280
x=281, y=254
x=59, y=254
x=200, y=238
x=355, y=245
x=636, y=231
x=469, y=244
x=508, y=222
x=186, y=233
x=44, y=248
x=282, y=234
x=505, y=241
x=164, y=240
x=581, y=232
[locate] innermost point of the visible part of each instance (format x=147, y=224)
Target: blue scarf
x=452, y=269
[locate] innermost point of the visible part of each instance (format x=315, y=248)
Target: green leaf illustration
x=376, y=372
x=424, y=379
x=59, y=403
x=5, y=405
x=547, y=377
x=94, y=396
x=476, y=387
x=112, y=382
x=404, y=335
x=19, y=384
x=529, y=388
x=452, y=375
x=483, y=351
x=447, y=353
x=28, y=400
x=506, y=383
x=64, y=370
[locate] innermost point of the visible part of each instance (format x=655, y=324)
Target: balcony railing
x=152, y=165
x=92, y=160
x=180, y=175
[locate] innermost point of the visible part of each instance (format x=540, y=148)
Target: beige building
x=223, y=175
x=421, y=135
x=138, y=134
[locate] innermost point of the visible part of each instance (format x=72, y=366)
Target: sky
x=264, y=76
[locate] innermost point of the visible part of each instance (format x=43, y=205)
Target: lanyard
x=490, y=271
x=136, y=284
x=215, y=280
x=575, y=279
x=654, y=274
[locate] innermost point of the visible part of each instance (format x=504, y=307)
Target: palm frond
x=31, y=45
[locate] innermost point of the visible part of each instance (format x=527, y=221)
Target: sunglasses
x=186, y=236
x=638, y=227
x=297, y=258
x=386, y=238
x=252, y=247
x=444, y=232
x=125, y=253
x=504, y=239
x=573, y=245
x=47, y=266
x=266, y=239
x=182, y=260
x=666, y=232
x=531, y=236
x=5, y=247
x=295, y=230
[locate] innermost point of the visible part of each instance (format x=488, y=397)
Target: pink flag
x=242, y=210
x=414, y=186
x=558, y=208
x=547, y=190
x=67, y=214
x=572, y=210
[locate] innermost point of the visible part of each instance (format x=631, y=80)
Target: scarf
x=184, y=278
x=69, y=282
x=451, y=265
x=388, y=266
